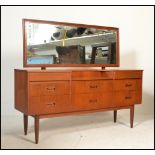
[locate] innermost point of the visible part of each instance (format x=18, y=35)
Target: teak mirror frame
x=117, y=64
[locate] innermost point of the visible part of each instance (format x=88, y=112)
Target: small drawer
x=125, y=98
x=48, y=88
x=92, y=86
x=49, y=104
x=125, y=85
x=91, y=75
x=127, y=74
x=48, y=76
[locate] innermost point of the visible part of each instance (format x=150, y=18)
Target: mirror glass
x=63, y=44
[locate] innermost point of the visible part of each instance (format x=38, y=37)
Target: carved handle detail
x=51, y=104
x=51, y=88
x=128, y=97
x=128, y=85
x=94, y=86
x=93, y=100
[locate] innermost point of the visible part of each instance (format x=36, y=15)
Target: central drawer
x=88, y=75
x=92, y=86
x=49, y=88
x=49, y=104
x=91, y=101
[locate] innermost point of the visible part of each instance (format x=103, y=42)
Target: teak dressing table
x=47, y=93
x=51, y=93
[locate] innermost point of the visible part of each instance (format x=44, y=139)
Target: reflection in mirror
x=58, y=44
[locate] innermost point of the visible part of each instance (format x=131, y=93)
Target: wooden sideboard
x=51, y=93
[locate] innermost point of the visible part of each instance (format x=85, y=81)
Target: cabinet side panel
x=139, y=92
x=21, y=91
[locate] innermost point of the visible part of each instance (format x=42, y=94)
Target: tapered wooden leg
x=115, y=116
x=131, y=116
x=25, y=124
x=36, y=127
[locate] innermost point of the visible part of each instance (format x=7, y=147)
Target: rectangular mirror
x=48, y=44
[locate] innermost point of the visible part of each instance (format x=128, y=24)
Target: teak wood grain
x=51, y=93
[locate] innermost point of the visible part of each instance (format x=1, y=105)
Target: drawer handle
x=94, y=86
x=128, y=97
x=128, y=85
x=93, y=100
x=53, y=89
x=51, y=104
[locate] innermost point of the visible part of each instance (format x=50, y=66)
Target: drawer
x=49, y=104
x=92, y=86
x=124, y=98
x=48, y=88
x=127, y=74
x=85, y=101
x=125, y=85
x=91, y=101
x=48, y=76
x=90, y=75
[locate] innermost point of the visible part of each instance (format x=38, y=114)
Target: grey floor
x=91, y=131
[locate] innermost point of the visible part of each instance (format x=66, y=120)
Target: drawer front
x=88, y=75
x=49, y=104
x=92, y=86
x=91, y=101
x=48, y=76
x=48, y=88
x=124, y=98
x=85, y=101
x=128, y=74
x=125, y=85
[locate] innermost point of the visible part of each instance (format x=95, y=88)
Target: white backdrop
x=136, y=25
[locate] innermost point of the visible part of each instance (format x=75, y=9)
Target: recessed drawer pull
x=51, y=104
x=94, y=86
x=93, y=100
x=128, y=85
x=128, y=97
x=53, y=89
